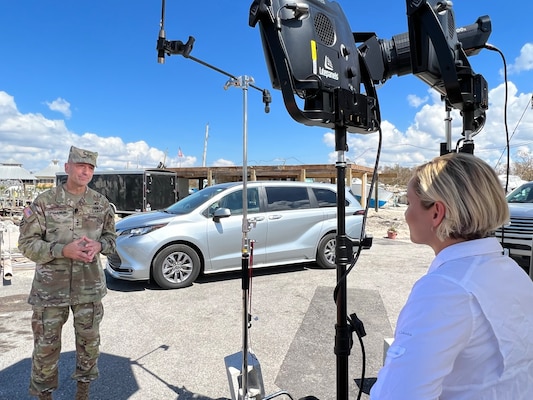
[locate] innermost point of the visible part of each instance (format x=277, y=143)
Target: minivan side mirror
x=221, y=213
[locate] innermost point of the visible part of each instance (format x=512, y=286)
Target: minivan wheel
x=176, y=266
x=325, y=256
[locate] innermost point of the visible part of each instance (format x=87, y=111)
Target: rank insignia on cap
x=82, y=156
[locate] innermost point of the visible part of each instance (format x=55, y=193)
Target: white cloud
x=223, y=163
x=421, y=140
x=60, y=105
x=185, y=161
x=33, y=141
x=7, y=104
x=524, y=62
x=416, y=101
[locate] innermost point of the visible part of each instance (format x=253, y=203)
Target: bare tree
x=395, y=175
x=524, y=167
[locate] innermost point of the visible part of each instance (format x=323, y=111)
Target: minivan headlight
x=143, y=230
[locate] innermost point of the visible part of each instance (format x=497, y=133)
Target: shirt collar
x=63, y=197
x=466, y=249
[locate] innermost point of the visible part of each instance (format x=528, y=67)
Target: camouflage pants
x=47, y=324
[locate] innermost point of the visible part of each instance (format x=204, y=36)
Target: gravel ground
x=379, y=221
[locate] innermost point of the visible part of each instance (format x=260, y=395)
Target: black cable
x=357, y=327
x=514, y=131
x=508, y=140
x=365, y=215
x=371, y=92
x=363, y=368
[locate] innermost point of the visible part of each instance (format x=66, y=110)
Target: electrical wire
x=528, y=105
x=505, y=104
x=508, y=140
x=369, y=197
x=356, y=257
x=371, y=91
x=365, y=215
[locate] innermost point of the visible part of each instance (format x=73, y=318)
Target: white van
x=293, y=222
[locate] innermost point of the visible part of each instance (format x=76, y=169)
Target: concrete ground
x=159, y=344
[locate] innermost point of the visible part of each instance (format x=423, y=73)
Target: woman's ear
x=439, y=213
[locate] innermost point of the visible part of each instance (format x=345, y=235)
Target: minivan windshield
x=522, y=194
x=189, y=203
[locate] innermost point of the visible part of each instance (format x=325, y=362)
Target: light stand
x=246, y=250
x=251, y=380
x=343, y=257
x=245, y=391
x=343, y=250
x=246, y=382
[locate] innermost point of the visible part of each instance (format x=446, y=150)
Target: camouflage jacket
x=47, y=225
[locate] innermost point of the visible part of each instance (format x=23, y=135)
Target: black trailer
x=132, y=191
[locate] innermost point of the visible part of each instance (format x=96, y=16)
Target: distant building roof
x=15, y=172
x=49, y=171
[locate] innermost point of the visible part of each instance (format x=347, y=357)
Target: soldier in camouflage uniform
x=64, y=231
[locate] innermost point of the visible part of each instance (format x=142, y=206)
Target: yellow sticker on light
x=314, y=56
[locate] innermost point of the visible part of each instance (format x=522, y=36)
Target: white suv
x=292, y=222
x=517, y=237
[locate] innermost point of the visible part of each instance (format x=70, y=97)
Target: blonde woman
x=466, y=331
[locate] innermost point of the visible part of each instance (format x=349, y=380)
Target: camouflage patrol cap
x=82, y=156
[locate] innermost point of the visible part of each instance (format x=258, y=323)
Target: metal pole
x=205, y=145
x=342, y=253
x=250, y=375
x=244, y=82
x=245, y=243
x=448, y=128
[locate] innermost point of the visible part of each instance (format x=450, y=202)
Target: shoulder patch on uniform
x=28, y=212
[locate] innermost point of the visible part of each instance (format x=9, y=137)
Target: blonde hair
x=470, y=190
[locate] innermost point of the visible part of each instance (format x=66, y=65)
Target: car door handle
x=277, y=216
x=257, y=219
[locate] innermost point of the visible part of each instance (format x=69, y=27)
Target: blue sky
x=86, y=74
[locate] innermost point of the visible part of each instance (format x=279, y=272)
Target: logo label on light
x=327, y=71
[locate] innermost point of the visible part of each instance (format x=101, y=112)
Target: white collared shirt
x=466, y=331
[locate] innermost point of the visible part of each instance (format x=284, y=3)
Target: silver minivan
x=290, y=223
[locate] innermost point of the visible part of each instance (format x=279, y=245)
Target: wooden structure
x=318, y=172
